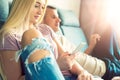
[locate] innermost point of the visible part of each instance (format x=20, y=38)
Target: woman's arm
x=11, y=68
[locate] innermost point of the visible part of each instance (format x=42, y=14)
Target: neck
x=31, y=26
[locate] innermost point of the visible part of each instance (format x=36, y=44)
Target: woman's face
x=37, y=11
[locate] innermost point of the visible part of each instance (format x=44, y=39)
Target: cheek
x=47, y=21
x=50, y=20
x=31, y=17
x=32, y=14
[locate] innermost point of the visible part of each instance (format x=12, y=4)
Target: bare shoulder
x=32, y=33
x=29, y=35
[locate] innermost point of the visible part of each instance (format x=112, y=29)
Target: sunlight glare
x=113, y=13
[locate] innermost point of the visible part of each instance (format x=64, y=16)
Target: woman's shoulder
x=33, y=32
x=30, y=31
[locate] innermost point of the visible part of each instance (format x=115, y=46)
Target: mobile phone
x=79, y=47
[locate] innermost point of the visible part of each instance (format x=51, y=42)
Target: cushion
x=68, y=18
x=75, y=35
x=4, y=10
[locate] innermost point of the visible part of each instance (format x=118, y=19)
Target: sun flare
x=113, y=13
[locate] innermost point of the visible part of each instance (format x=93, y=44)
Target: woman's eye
x=53, y=17
x=39, y=6
x=43, y=7
x=36, y=6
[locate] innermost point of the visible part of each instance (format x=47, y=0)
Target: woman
x=25, y=15
x=11, y=34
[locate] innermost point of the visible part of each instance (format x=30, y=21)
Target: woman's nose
x=40, y=10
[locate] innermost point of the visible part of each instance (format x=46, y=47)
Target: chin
x=56, y=30
x=35, y=22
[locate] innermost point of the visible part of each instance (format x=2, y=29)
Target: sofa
x=4, y=10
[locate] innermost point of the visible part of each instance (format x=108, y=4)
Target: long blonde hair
x=18, y=19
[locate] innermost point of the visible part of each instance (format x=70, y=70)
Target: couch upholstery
x=4, y=10
x=70, y=27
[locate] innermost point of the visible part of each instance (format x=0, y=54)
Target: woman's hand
x=84, y=75
x=66, y=61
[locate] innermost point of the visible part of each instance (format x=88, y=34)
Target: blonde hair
x=18, y=19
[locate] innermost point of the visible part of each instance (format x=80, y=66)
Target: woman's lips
x=36, y=17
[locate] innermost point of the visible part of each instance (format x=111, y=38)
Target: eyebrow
x=38, y=2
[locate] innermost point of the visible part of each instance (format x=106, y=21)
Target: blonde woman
x=11, y=32
x=25, y=15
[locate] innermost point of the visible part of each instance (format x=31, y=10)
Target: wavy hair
x=18, y=19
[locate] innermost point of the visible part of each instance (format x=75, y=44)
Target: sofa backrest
x=70, y=27
x=4, y=10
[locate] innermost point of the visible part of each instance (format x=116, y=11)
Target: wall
x=67, y=4
x=93, y=17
